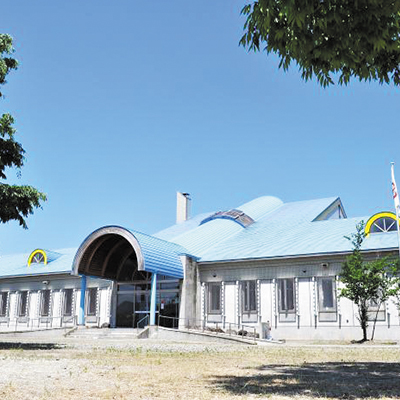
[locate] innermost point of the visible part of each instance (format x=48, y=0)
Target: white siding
x=230, y=302
x=305, y=311
x=267, y=303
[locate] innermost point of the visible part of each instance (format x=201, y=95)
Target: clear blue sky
x=119, y=104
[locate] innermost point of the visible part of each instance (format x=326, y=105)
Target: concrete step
x=104, y=333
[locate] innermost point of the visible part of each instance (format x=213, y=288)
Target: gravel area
x=48, y=366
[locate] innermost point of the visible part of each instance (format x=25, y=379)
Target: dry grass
x=198, y=372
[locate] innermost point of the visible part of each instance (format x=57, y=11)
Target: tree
x=16, y=202
x=355, y=39
x=389, y=285
x=367, y=282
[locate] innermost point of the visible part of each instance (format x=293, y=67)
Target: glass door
x=141, y=308
x=125, y=309
x=168, y=306
x=133, y=303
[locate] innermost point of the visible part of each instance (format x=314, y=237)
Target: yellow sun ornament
x=37, y=256
x=381, y=222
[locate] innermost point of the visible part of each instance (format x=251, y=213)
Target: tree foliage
x=353, y=39
x=16, y=202
x=367, y=282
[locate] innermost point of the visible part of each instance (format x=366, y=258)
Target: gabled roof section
x=334, y=211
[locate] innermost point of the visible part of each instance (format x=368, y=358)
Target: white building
x=266, y=261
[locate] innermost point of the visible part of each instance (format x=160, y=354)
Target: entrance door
x=133, y=303
x=125, y=309
x=168, y=305
x=141, y=308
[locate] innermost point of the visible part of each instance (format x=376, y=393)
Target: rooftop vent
x=234, y=215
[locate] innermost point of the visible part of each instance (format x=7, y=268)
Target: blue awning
x=105, y=252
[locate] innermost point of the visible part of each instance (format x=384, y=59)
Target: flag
x=395, y=194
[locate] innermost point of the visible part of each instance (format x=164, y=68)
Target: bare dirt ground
x=59, y=368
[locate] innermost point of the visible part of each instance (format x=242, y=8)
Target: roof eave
x=294, y=256
x=68, y=272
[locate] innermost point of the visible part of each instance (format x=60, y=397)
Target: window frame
x=373, y=227
x=22, y=313
x=90, y=301
x=45, y=303
x=65, y=302
x=376, y=226
x=37, y=256
x=372, y=311
x=4, y=306
x=211, y=287
x=249, y=296
x=283, y=308
x=327, y=314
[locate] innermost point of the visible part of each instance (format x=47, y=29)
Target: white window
x=45, y=303
x=3, y=304
x=91, y=307
x=68, y=302
x=327, y=305
x=376, y=309
x=249, y=297
x=23, y=304
x=286, y=290
x=214, y=298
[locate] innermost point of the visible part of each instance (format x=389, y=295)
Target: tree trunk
x=364, y=329
x=363, y=313
x=376, y=317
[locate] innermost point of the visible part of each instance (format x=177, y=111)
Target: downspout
x=153, y=299
x=81, y=320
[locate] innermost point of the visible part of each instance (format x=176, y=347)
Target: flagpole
x=396, y=204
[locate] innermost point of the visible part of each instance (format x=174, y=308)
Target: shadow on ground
x=337, y=380
x=29, y=346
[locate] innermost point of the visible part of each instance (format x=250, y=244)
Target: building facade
x=265, y=262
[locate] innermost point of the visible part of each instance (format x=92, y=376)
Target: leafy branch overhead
x=16, y=202
x=347, y=39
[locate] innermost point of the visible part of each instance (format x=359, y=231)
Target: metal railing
x=225, y=329
x=28, y=323
x=242, y=331
x=146, y=317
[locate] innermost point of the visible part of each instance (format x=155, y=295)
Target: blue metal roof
x=16, y=264
x=202, y=237
x=183, y=227
x=152, y=254
x=280, y=230
x=160, y=256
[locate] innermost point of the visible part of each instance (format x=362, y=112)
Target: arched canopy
x=116, y=253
